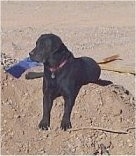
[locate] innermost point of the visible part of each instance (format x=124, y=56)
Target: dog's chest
x=53, y=83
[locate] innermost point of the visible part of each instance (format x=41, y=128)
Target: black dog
x=63, y=75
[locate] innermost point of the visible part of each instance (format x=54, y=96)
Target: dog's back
x=89, y=69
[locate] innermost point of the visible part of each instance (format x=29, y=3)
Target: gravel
x=7, y=61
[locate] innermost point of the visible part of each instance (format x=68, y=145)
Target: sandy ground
x=94, y=29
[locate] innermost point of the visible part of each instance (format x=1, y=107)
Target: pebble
x=130, y=145
x=12, y=133
x=121, y=143
x=73, y=150
x=115, y=135
x=26, y=94
x=43, y=151
x=6, y=60
x=23, y=115
x=11, y=78
x=80, y=116
x=5, y=84
x=99, y=111
x=16, y=116
x=128, y=140
x=5, y=121
x=10, y=101
x=83, y=92
x=2, y=102
x=23, y=132
x=7, y=151
x=18, y=150
x=13, y=85
x=101, y=136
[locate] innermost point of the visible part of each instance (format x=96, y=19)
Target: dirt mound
x=100, y=118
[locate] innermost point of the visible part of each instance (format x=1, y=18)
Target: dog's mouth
x=35, y=58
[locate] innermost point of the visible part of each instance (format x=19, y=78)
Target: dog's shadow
x=104, y=82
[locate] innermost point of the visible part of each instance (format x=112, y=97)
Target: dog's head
x=49, y=50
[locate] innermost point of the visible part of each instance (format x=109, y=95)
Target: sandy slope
x=95, y=29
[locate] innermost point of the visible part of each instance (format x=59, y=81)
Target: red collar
x=53, y=69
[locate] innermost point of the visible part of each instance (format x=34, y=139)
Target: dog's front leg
x=65, y=123
x=47, y=105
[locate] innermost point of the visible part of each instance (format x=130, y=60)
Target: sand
x=94, y=29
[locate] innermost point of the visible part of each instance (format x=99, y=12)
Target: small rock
x=18, y=150
x=101, y=136
x=80, y=116
x=130, y=145
x=11, y=78
x=2, y=102
x=18, y=116
x=12, y=85
x=40, y=139
x=73, y=150
x=5, y=121
x=5, y=84
x=41, y=149
x=12, y=133
x=128, y=140
x=26, y=94
x=10, y=101
x=23, y=115
x=99, y=111
x=121, y=143
x=43, y=152
x=115, y=135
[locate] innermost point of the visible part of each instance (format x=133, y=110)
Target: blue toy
x=19, y=68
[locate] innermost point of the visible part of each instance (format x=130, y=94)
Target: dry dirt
x=94, y=29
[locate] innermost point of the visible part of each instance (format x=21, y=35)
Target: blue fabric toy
x=19, y=68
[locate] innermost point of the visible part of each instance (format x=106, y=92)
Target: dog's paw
x=44, y=125
x=65, y=124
